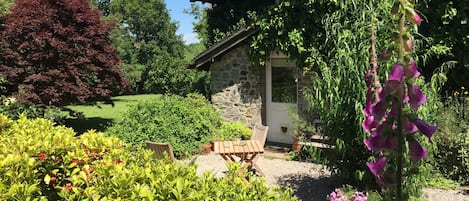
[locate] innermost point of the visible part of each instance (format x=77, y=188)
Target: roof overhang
x=208, y=56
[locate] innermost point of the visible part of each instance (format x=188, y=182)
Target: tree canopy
x=57, y=52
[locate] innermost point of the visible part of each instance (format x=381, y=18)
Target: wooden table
x=244, y=152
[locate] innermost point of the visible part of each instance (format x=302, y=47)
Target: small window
x=284, y=86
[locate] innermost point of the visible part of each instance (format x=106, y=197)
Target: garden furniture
x=242, y=151
x=160, y=149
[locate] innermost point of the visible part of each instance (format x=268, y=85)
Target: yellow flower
x=465, y=93
x=462, y=88
x=456, y=93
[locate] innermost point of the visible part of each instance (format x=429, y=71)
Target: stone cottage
x=251, y=94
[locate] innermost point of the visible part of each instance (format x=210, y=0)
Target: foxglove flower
x=416, y=97
x=409, y=127
x=416, y=151
x=413, y=16
x=426, y=129
x=396, y=73
x=377, y=167
x=369, y=123
x=408, y=45
x=410, y=70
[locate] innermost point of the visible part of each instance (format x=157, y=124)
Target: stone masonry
x=237, y=87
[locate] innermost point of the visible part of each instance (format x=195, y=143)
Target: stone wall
x=237, y=87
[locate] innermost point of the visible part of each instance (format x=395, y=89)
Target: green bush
x=234, y=130
x=184, y=122
x=12, y=108
x=40, y=161
x=452, y=139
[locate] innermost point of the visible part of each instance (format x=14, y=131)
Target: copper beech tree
x=57, y=52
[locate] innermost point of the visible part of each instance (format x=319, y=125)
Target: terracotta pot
x=296, y=146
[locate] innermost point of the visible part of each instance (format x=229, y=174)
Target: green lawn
x=98, y=116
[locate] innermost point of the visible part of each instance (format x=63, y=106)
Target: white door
x=281, y=99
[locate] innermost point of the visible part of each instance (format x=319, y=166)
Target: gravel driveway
x=311, y=182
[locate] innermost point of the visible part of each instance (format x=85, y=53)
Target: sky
x=176, y=8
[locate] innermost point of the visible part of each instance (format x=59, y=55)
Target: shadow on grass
x=82, y=125
x=309, y=188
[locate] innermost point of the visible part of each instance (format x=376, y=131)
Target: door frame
x=268, y=87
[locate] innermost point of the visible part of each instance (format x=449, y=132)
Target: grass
x=99, y=115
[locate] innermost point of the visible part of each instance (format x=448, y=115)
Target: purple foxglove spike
x=368, y=108
x=396, y=73
x=408, y=45
x=369, y=124
x=379, y=110
x=388, y=180
x=426, y=129
x=410, y=70
x=416, y=151
x=409, y=127
x=377, y=167
x=416, y=97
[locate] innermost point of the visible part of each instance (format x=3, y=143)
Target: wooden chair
x=259, y=133
x=160, y=148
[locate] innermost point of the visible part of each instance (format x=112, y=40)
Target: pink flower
x=409, y=127
x=416, y=151
x=426, y=129
x=396, y=73
x=413, y=16
x=369, y=124
x=408, y=45
x=416, y=97
x=410, y=70
x=377, y=167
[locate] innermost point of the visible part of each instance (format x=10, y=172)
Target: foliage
x=39, y=161
x=446, y=40
x=223, y=18
x=452, y=158
x=184, y=122
x=13, y=109
x=234, y=130
x=5, y=6
x=166, y=75
x=57, y=52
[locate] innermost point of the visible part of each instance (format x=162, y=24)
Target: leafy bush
x=233, y=130
x=452, y=139
x=184, y=122
x=45, y=162
x=11, y=108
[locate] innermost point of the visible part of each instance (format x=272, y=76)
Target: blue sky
x=176, y=8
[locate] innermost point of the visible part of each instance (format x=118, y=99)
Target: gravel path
x=311, y=182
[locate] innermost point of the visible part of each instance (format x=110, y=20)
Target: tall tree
x=146, y=24
x=57, y=52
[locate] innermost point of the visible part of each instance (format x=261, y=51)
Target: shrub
x=45, y=162
x=452, y=139
x=11, y=108
x=232, y=130
x=184, y=122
